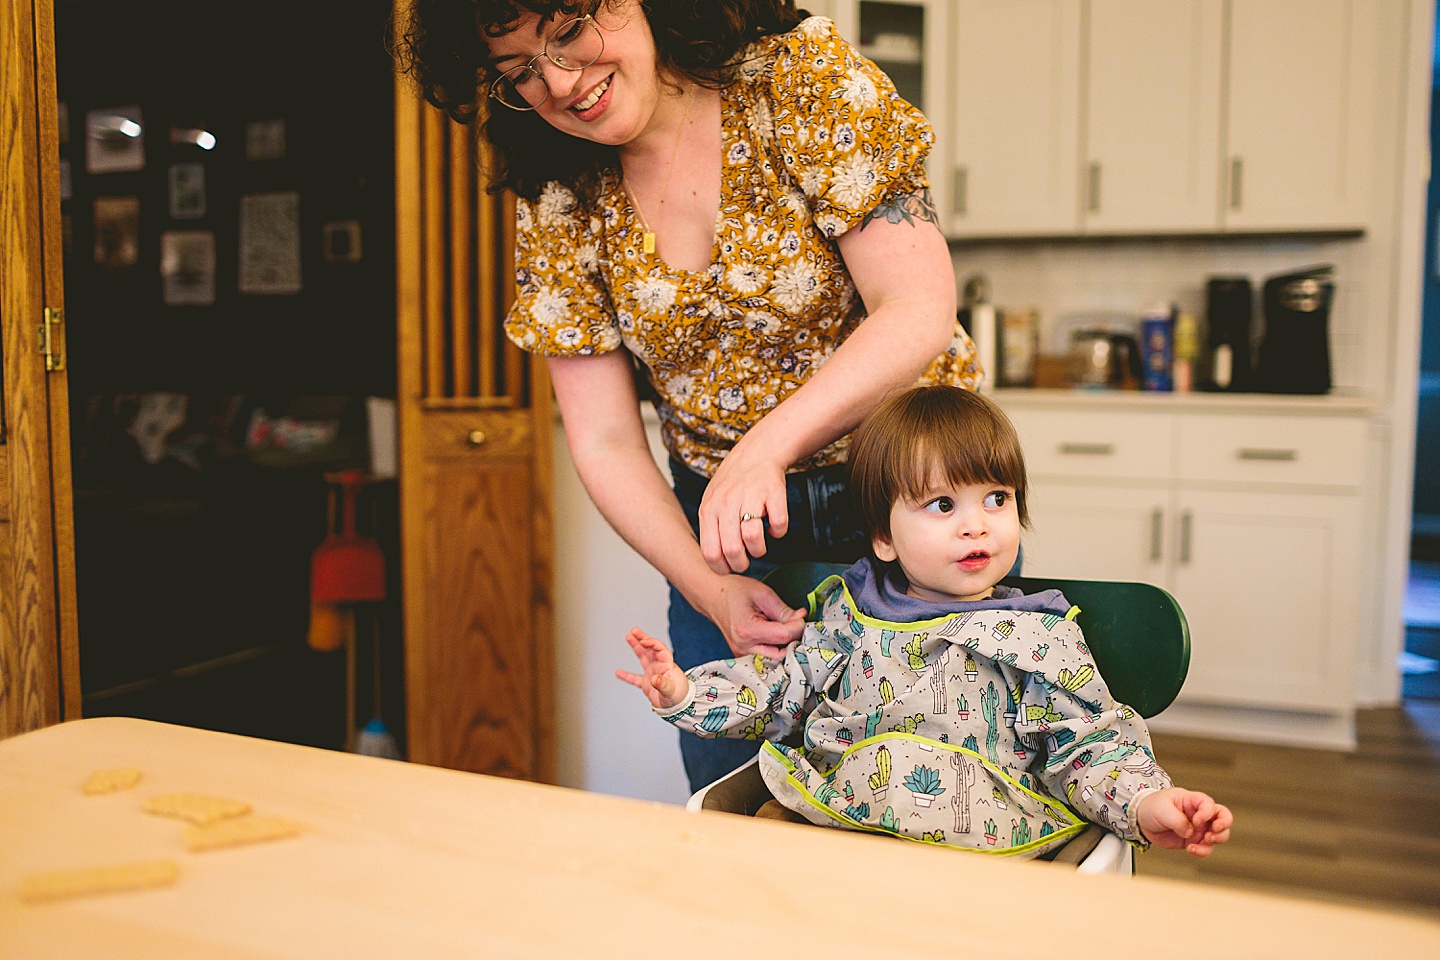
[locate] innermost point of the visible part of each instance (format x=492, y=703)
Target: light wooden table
x=404, y=861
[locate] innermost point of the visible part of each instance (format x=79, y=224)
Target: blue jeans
x=824, y=526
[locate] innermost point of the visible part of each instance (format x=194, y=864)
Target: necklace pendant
x=647, y=242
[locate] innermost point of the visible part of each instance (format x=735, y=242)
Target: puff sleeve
x=844, y=134
x=562, y=307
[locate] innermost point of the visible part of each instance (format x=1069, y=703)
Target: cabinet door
x=1152, y=116
x=1268, y=585
x=1015, y=117
x=1096, y=531
x=908, y=39
x=1302, y=85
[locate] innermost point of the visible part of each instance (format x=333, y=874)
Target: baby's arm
x=663, y=683
x=751, y=697
x=1175, y=818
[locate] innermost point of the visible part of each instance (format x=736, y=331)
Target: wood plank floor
x=1360, y=827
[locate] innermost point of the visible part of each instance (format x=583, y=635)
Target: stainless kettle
x=1102, y=359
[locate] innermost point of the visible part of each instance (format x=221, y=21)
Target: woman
x=722, y=191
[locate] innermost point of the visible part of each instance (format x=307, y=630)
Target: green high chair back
x=1136, y=631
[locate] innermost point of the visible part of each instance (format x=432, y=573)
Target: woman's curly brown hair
x=441, y=43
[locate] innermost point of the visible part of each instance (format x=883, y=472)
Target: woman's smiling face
x=613, y=100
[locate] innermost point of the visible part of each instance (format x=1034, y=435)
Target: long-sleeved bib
x=988, y=730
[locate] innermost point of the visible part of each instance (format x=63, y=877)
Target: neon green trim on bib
x=1050, y=803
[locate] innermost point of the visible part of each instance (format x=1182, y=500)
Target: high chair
x=1136, y=632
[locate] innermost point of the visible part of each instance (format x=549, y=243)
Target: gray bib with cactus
x=988, y=730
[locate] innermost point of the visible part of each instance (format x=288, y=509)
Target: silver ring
x=746, y=516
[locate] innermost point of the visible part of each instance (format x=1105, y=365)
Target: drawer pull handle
x=476, y=438
x=1185, y=530
x=1088, y=449
x=1275, y=456
x=1157, y=526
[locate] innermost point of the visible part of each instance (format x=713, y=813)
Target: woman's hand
x=754, y=619
x=744, y=499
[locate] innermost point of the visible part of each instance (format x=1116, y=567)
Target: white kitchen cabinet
x=908, y=40
x=1152, y=115
x=1124, y=117
x=1252, y=521
x=1268, y=582
x=1109, y=531
x=1014, y=121
x=1302, y=85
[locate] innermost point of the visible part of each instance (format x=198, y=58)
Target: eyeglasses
x=573, y=45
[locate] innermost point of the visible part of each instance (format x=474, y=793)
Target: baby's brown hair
x=927, y=433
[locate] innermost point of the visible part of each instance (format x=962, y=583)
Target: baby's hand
x=663, y=683
x=1175, y=818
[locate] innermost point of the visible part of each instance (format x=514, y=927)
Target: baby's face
x=954, y=543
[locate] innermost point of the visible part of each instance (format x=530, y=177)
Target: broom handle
x=375, y=642
x=348, y=487
x=349, y=621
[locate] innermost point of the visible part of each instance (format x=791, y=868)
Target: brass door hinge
x=52, y=338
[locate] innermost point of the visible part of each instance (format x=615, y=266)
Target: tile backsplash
x=1126, y=276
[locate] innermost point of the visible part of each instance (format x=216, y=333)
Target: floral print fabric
x=814, y=137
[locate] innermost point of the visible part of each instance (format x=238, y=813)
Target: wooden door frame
x=39, y=650
x=468, y=401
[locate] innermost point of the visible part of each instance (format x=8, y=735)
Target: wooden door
x=475, y=472
x=1015, y=118
x=39, y=655
x=1152, y=116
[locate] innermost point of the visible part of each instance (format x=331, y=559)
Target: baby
x=926, y=700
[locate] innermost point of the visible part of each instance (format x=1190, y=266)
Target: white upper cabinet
x=1014, y=118
x=1132, y=117
x=1152, y=115
x=1302, y=88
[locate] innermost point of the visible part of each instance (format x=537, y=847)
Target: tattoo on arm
x=908, y=208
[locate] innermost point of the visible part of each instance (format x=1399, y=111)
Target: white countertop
x=1331, y=404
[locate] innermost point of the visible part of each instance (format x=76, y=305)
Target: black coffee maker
x=1229, y=306
x=1295, y=354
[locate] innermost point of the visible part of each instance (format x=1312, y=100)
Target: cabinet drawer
x=1063, y=443
x=1323, y=451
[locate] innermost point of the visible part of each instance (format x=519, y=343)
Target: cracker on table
x=110, y=780
x=239, y=830
x=198, y=808
x=83, y=881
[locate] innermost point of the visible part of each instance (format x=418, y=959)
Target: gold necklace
x=647, y=236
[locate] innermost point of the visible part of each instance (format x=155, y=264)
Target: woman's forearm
x=888, y=351
x=611, y=453
x=904, y=274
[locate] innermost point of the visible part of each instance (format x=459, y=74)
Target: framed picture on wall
x=270, y=243
x=342, y=241
x=117, y=231
x=187, y=267
x=114, y=140
x=187, y=191
x=265, y=140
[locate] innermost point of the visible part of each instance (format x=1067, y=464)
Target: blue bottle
x=1157, y=349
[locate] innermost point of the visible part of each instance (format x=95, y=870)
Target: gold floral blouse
x=815, y=137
